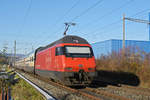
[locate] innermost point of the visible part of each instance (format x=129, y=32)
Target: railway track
x=133, y=90
x=106, y=95
x=102, y=93
x=91, y=97
x=132, y=93
x=137, y=88
x=92, y=94
x=67, y=90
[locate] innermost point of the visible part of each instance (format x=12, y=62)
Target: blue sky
x=40, y=22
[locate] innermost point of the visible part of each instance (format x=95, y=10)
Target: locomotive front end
x=79, y=64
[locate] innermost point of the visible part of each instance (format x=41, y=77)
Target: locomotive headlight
x=68, y=68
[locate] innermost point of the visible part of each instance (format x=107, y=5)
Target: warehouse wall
x=101, y=48
x=108, y=46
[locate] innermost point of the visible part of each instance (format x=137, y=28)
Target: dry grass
x=137, y=63
x=21, y=90
x=24, y=91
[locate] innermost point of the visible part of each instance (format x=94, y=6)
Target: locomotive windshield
x=78, y=51
x=83, y=50
x=75, y=51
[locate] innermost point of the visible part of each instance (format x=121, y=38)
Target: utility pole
x=134, y=20
x=11, y=58
x=32, y=47
x=25, y=51
x=15, y=53
x=67, y=27
x=123, y=33
x=5, y=49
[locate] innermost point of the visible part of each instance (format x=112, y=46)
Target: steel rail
x=44, y=93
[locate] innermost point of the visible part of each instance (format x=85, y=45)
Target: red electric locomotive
x=69, y=60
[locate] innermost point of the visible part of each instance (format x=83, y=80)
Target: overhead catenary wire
x=10, y=44
x=68, y=11
x=112, y=11
x=84, y=12
x=140, y=12
x=29, y=9
x=113, y=23
x=116, y=22
x=100, y=28
x=20, y=30
x=62, y=17
x=97, y=20
x=25, y=17
x=110, y=23
x=110, y=31
x=87, y=10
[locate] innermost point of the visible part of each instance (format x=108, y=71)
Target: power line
x=116, y=22
x=133, y=20
x=113, y=10
x=111, y=24
x=114, y=27
x=110, y=31
x=68, y=11
x=140, y=12
x=25, y=17
x=109, y=13
x=63, y=16
x=85, y=11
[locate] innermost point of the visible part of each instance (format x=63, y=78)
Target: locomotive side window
x=59, y=51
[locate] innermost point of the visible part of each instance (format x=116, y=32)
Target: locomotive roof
x=65, y=39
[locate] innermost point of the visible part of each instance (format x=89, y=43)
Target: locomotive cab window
x=59, y=51
x=78, y=51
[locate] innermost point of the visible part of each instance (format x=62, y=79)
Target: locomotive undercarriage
x=79, y=78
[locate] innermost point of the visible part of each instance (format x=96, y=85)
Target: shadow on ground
x=105, y=78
